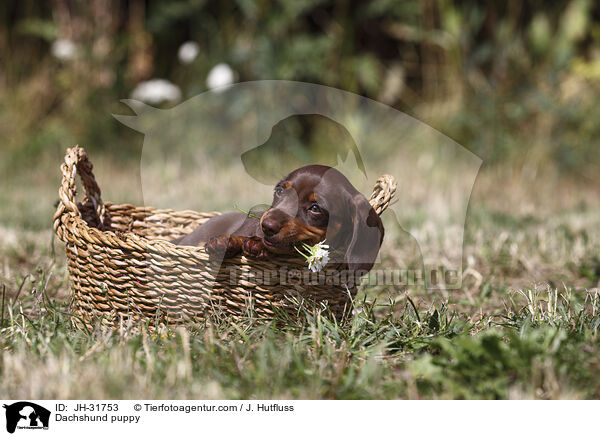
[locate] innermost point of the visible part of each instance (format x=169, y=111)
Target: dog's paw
x=222, y=246
x=254, y=247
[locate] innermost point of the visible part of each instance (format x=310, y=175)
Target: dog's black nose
x=270, y=226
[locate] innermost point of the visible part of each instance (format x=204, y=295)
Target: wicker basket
x=122, y=266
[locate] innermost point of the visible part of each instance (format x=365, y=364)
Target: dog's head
x=317, y=202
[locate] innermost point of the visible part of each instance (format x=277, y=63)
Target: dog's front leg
x=229, y=246
x=254, y=247
x=224, y=246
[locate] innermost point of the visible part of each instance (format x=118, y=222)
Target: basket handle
x=383, y=192
x=77, y=162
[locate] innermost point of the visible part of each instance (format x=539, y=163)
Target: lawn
x=523, y=325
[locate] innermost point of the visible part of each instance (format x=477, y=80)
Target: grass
x=545, y=345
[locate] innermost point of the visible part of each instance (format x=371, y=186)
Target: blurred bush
x=515, y=82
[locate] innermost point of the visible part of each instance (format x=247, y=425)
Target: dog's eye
x=315, y=208
x=278, y=191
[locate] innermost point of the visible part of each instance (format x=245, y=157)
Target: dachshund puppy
x=311, y=204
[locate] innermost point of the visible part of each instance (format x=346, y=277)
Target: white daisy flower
x=221, y=75
x=63, y=49
x=156, y=91
x=317, y=256
x=188, y=51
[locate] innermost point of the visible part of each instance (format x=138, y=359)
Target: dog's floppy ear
x=367, y=235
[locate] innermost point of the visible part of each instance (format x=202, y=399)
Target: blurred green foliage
x=512, y=81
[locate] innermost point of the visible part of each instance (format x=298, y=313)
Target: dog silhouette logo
x=220, y=150
x=26, y=415
x=297, y=141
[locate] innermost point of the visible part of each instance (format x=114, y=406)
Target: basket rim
x=131, y=240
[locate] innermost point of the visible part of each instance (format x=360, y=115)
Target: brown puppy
x=311, y=204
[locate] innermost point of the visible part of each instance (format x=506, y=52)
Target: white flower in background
x=63, y=49
x=317, y=256
x=219, y=76
x=156, y=91
x=188, y=51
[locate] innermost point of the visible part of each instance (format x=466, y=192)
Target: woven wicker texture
x=121, y=265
